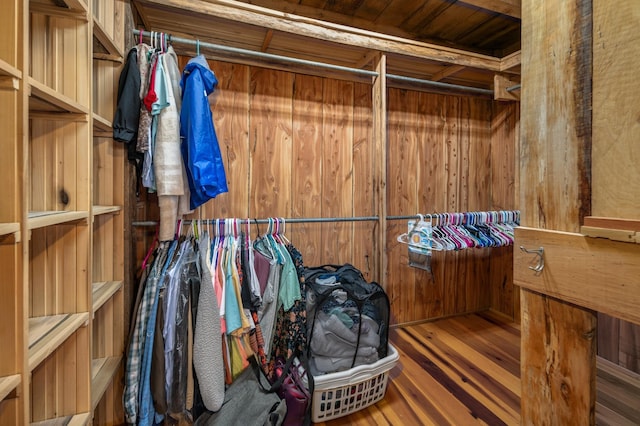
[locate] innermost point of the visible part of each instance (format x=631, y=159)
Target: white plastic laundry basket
x=342, y=393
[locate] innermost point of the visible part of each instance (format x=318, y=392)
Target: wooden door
x=565, y=145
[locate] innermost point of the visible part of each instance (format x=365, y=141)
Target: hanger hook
x=540, y=254
x=197, y=47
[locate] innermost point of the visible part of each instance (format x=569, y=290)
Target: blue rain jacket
x=199, y=143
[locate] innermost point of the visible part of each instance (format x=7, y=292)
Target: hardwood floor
x=465, y=370
x=458, y=371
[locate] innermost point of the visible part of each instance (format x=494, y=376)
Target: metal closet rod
x=291, y=220
x=427, y=215
x=358, y=71
x=145, y=223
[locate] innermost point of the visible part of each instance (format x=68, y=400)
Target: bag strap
x=259, y=374
x=304, y=360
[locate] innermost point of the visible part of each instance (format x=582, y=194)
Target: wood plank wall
x=440, y=160
x=301, y=146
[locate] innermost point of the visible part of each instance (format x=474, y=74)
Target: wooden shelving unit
x=8, y=384
x=61, y=234
x=103, y=292
x=101, y=126
x=112, y=52
x=43, y=99
x=76, y=9
x=109, y=158
x=103, y=370
x=10, y=230
x=100, y=210
x=46, y=334
x=13, y=360
x=43, y=219
x=7, y=70
x=76, y=420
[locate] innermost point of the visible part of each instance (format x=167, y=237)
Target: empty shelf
x=111, y=51
x=102, y=372
x=76, y=9
x=103, y=291
x=101, y=126
x=49, y=218
x=47, y=333
x=47, y=103
x=10, y=229
x=75, y=420
x=8, y=70
x=99, y=210
x=8, y=384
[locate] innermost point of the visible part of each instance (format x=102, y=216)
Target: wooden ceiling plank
x=446, y=72
x=246, y=13
x=321, y=14
x=505, y=7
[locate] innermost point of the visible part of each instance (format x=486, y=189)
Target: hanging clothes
x=144, y=122
x=207, y=341
x=170, y=174
x=139, y=340
x=175, y=149
x=200, y=149
x=179, y=322
x=126, y=116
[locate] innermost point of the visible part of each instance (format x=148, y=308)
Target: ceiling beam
x=246, y=13
x=504, y=7
x=511, y=61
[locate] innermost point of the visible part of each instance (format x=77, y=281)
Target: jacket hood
x=199, y=64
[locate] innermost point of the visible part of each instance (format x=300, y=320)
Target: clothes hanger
x=282, y=234
x=179, y=229
x=151, y=248
x=417, y=234
x=444, y=231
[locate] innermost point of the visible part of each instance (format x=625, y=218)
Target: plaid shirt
x=137, y=345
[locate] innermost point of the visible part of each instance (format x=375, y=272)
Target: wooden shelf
x=77, y=420
x=10, y=232
x=9, y=228
x=8, y=70
x=10, y=76
x=112, y=51
x=75, y=9
x=48, y=218
x=616, y=229
x=101, y=126
x=102, y=372
x=103, y=291
x=47, y=333
x=8, y=384
x=46, y=103
x=100, y=210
